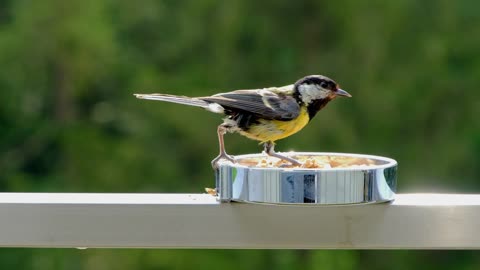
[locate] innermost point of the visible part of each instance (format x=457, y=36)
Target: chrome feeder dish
x=326, y=179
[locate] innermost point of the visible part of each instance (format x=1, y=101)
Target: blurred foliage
x=69, y=122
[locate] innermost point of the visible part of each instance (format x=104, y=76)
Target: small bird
x=265, y=115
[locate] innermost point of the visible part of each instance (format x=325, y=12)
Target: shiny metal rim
x=332, y=186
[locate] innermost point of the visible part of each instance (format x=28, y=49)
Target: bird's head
x=317, y=87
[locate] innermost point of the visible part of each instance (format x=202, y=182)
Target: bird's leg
x=269, y=149
x=221, y=130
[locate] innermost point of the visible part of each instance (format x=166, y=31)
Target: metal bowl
x=320, y=186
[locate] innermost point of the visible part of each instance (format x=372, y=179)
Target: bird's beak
x=343, y=93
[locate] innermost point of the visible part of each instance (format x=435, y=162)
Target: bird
x=264, y=114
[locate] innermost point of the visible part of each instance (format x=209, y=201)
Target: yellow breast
x=272, y=130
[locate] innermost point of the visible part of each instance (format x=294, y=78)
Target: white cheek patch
x=310, y=92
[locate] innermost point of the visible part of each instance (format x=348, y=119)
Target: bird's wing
x=268, y=103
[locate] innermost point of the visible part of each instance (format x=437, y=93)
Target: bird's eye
x=323, y=84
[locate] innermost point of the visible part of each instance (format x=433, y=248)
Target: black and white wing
x=265, y=103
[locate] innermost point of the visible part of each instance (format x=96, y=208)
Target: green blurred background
x=69, y=122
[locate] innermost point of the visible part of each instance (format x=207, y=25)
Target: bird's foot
x=222, y=156
x=293, y=161
x=269, y=150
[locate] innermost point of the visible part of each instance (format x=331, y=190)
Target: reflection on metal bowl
x=325, y=179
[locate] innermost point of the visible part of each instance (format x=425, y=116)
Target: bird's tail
x=175, y=99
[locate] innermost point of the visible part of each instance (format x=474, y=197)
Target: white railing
x=198, y=221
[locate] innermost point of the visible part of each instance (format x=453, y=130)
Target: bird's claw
x=224, y=156
x=293, y=162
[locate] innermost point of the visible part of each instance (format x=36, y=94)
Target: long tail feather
x=175, y=99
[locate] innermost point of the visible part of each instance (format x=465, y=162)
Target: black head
x=316, y=87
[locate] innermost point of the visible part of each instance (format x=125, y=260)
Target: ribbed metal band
x=376, y=183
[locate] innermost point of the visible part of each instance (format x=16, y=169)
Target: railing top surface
x=416, y=221
x=419, y=199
